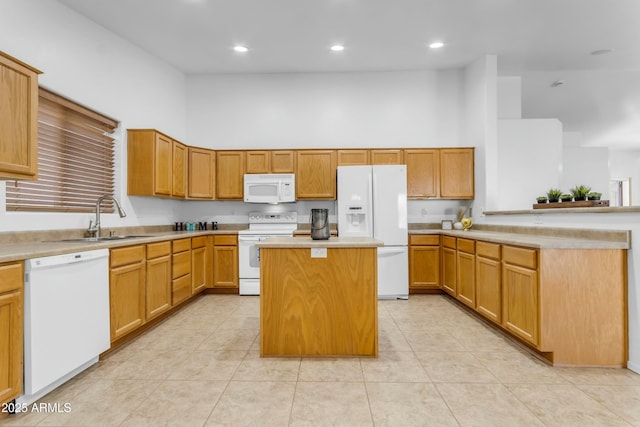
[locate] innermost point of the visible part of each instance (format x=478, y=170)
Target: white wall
x=626, y=164
x=585, y=166
x=509, y=97
x=295, y=110
x=527, y=149
x=479, y=128
x=86, y=63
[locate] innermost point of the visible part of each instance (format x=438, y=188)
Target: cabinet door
x=520, y=301
x=258, y=161
x=316, y=174
x=163, y=170
x=18, y=119
x=424, y=267
x=179, y=163
x=466, y=280
x=127, y=298
x=423, y=173
x=11, y=327
x=387, y=157
x=225, y=266
x=488, y=295
x=202, y=178
x=456, y=173
x=158, y=289
x=283, y=161
x=449, y=271
x=198, y=269
x=353, y=157
x=230, y=174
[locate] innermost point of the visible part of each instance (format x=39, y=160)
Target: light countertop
x=308, y=242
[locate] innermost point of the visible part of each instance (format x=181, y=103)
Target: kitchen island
x=318, y=297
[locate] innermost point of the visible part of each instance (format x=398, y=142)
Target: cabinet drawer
x=488, y=250
x=225, y=240
x=181, y=289
x=128, y=255
x=155, y=250
x=198, y=242
x=466, y=245
x=181, y=264
x=523, y=257
x=424, y=239
x=181, y=245
x=449, y=242
x=11, y=277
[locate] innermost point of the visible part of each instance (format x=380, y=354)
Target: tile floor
x=438, y=366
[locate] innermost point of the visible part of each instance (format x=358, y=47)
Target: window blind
x=75, y=160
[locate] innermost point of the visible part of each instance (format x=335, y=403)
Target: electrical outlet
x=424, y=212
x=537, y=219
x=318, y=252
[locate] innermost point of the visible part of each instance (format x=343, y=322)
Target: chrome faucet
x=94, y=231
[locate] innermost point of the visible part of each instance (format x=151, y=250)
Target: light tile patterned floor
x=438, y=366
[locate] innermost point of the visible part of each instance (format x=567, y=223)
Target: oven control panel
x=273, y=218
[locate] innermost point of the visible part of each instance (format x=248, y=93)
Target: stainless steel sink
x=99, y=239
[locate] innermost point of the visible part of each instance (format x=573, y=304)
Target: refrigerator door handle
x=390, y=251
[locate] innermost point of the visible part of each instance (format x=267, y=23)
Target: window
x=75, y=160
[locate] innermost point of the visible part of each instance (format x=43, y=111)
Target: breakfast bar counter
x=318, y=297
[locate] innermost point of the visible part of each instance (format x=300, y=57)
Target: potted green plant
x=554, y=195
x=566, y=197
x=594, y=195
x=580, y=192
x=542, y=199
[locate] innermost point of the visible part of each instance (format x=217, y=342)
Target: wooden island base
x=318, y=306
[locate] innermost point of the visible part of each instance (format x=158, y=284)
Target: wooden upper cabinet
x=270, y=161
x=163, y=173
x=179, y=165
x=18, y=119
x=156, y=164
x=316, y=174
x=230, y=166
x=202, y=173
x=387, y=157
x=353, y=157
x=283, y=161
x=258, y=161
x=423, y=173
x=457, y=173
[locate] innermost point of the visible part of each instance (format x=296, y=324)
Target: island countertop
x=307, y=242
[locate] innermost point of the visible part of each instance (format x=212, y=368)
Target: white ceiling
x=543, y=39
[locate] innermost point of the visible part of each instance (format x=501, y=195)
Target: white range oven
x=261, y=227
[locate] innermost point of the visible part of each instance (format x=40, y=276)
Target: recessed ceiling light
x=241, y=49
x=436, y=45
x=601, y=51
x=337, y=48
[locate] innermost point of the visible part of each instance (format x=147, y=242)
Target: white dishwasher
x=66, y=318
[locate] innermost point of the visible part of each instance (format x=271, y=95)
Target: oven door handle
x=248, y=238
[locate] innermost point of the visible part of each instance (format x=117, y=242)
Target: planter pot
x=579, y=199
x=554, y=200
x=565, y=200
x=541, y=200
x=595, y=198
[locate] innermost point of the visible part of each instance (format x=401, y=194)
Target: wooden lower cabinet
x=127, y=289
x=198, y=264
x=424, y=263
x=181, y=270
x=158, y=280
x=488, y=288
x=466, y=278
x=11, y=329
x=449, y=262
x=225, y=261
x=520, y=301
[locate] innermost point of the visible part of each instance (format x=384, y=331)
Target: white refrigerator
x=372, y=202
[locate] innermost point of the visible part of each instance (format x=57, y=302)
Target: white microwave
x=269, y=188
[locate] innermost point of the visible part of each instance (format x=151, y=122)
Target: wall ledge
x=599, y=210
